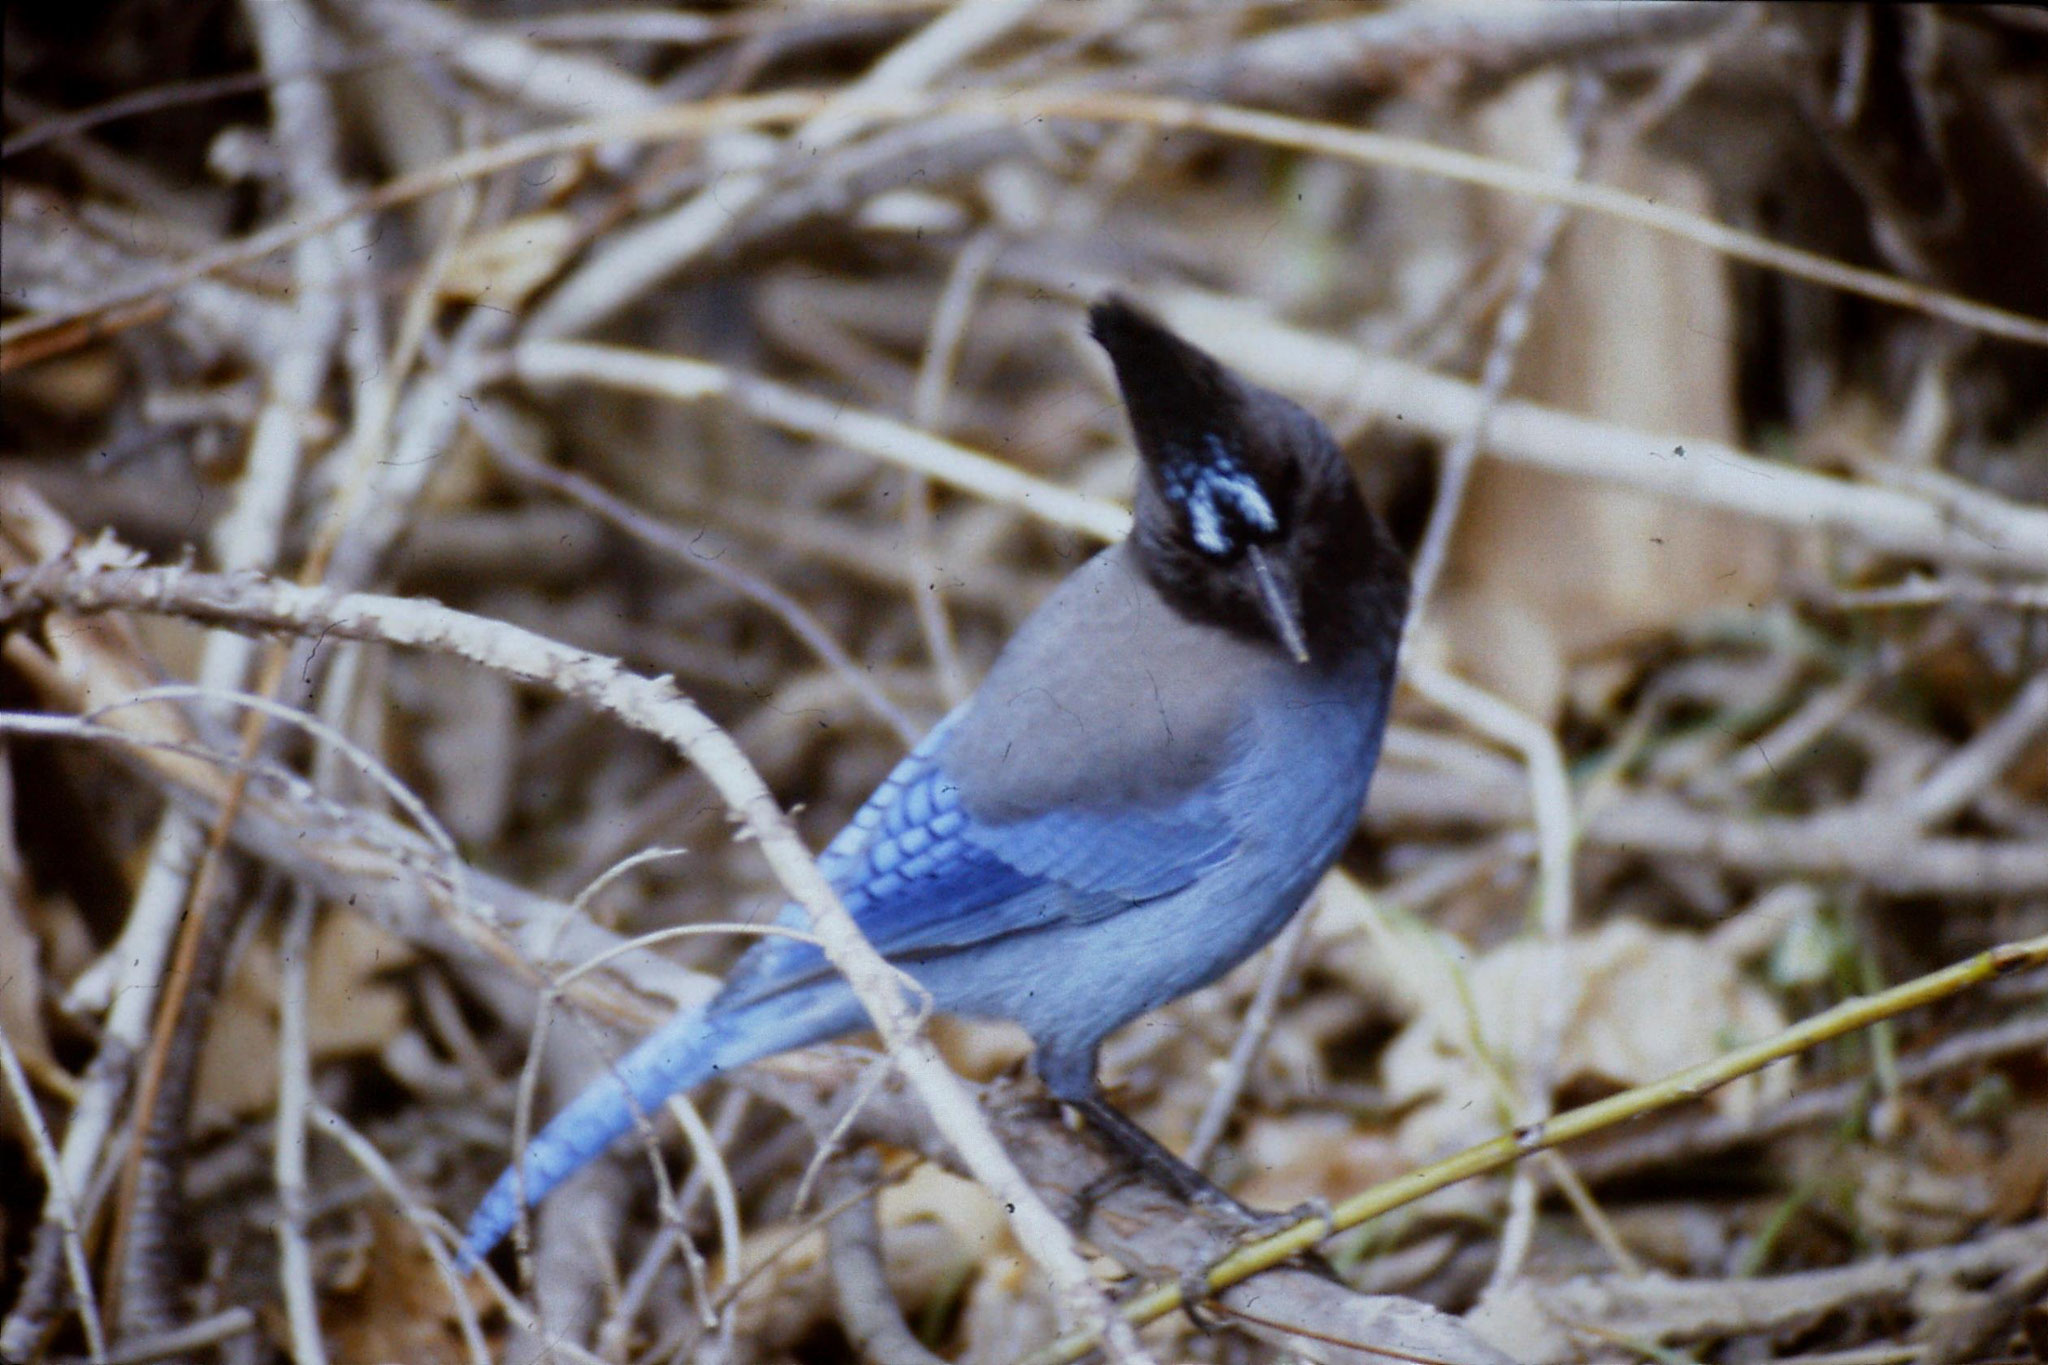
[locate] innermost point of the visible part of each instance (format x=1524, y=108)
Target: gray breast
x=1106, y=698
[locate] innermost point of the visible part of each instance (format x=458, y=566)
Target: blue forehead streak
x=1205, y=482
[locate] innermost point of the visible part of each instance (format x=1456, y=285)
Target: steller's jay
x=1160, y=766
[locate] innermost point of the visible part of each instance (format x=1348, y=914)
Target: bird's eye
x=1224, y=504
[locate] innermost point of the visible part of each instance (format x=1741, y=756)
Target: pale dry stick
x=1590, y=1213
x=635, y=26
x=247, y=537
x=1919, y=591
x=288, y=35
x=632, y=1298
x=288, y=1161
x=1710, y=473
x=289, y=39
x=1550, y=795
x=506, y=63
x=51, y=726
x=402, y=796
x=1975, y=509
x=542, y=1268
x=1677, y=79
x=1841, y=843
x=795, y=1238
x=1834, y=843
x=289, y=1157
x=1454, y=471
x=86, y=728
x=864, y=1088
x=634, y=261
x=818, y=538
x=1807, y=724
x=674, y=121
x=75, y=123
x=213, y=1330
x=1549, y=785
x=430, y=1229
x=61, y=1209
x=725, y=1204
x=426, y=424
x=294, y=1043
x=1866, y=1355
x=654, y=707
x=1654, y=1310
x=550, y=942
x=928, y=410
x=800, y=621
x=1479, y=44
x=370, y=861
x=360, y=469
x=1023, y=107
x=1981, y=761
x=679, y=1343
x=688, y=381
x=522, y=1131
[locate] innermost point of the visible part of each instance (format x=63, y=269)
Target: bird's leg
x=1153, y=1159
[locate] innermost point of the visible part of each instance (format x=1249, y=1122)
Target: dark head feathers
x=1246, y=515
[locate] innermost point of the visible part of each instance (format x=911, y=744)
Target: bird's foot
x=1252, y=1227
x=1259, y=1226
x=1095, y=1191
x=1194, y=1292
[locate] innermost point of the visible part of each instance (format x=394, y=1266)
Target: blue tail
x=684, y=1053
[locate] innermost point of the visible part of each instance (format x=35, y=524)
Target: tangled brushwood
x=486, y=492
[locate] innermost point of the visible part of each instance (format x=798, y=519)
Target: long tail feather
x=682, y=1054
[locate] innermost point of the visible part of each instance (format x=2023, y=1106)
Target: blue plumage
x=1155, y=773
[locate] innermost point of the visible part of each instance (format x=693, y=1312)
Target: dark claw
x=1194, y=1292
x=1095, y=1191
x=1264, y=1225
x=1153, y=1159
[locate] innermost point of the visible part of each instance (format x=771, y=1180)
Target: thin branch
x=1979, y=763
x=898, y=443
x=799, y=619
x=633, y=261
x=1023, y=108
x=61, y=1209
x=294, y=1092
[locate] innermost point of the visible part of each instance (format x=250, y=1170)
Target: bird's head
x=1246, y=515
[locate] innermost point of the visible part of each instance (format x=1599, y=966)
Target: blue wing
x=921, y=875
